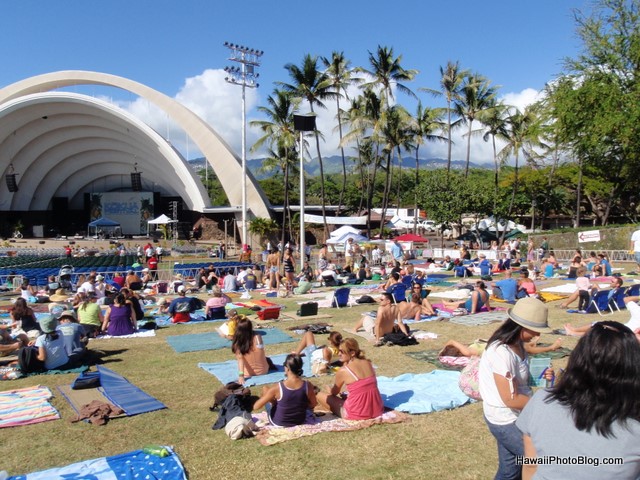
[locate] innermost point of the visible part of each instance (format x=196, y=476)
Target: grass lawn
x=448, y=444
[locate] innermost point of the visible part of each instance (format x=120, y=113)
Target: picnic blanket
x=361, y=333
x=422, y=392
x=136, y=464
x=270, y=435
x=12, y=372
x=456, y=294
x=26, y=406
x=228, y=371
x=482, y=318
x=552, y=297
x=195, y=342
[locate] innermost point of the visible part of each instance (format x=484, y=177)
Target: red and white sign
x=590, y=236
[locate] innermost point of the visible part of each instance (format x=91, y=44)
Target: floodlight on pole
x=303, y=123
x=244, y=75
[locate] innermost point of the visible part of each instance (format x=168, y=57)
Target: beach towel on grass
x=136, y=464
x=270, y=435
x=138, y=334
x=482, y=318
x=422, y=392
x=195, y=342
x=228, y=371
x=26, y=406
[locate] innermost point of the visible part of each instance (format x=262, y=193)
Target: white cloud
x=219, y=103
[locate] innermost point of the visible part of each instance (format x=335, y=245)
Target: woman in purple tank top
x=287, y=402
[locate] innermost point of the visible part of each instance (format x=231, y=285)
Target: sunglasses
x=344, y=352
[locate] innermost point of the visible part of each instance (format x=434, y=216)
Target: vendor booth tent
x=342, y=239
x=412, y=237
x=161, y=220
x=102, y=223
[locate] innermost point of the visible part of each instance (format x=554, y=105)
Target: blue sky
x=176, y=47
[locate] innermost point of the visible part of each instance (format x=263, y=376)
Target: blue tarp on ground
x=126, y=395
x=195, y=342
x=228, y=371
x=422, y=392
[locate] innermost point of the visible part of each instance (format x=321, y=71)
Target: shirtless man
x=384, y=321
x=411, y=310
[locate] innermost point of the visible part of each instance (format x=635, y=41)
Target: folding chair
x=599, y=303
x=398, y=291
x=617, y=299
x=329, y=281
x=633, y=290
x=341, y=297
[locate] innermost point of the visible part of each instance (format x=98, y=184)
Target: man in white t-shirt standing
x=348, y=253
x=635, y=245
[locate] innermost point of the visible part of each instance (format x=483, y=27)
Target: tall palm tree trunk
x=466, y=168
x=387, y=190
x=344, y=163
x=322, y=194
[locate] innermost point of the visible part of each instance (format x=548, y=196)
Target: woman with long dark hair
x=24, y=320
x=503, y=379
x=249, y=350
x=287, y=402
x=593, y=412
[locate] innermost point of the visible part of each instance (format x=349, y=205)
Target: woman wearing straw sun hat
x=504, y=379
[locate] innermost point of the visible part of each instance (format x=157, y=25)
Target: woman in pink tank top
x=362, y=399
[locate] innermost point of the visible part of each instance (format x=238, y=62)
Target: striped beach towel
x=26, y=406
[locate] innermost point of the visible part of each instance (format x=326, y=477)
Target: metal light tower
x=302, y=123
x=244, y=75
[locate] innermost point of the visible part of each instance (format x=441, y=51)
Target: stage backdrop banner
x=131, y=209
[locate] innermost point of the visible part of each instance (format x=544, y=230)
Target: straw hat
x=59, y=296
x=531, y=313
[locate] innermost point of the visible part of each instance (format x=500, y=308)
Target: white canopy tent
x=161, y=220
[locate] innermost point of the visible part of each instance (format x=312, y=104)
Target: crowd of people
x=591, y=404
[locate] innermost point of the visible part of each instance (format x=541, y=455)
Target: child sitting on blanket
x=320, y=356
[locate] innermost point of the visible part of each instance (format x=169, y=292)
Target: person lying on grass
x=456, y=349
x=288, y=402
x=479, y=298
x=320, y=356
x=357, y=376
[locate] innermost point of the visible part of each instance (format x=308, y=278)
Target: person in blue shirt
x=484, y=265
x=506, y=288
x=606, y=266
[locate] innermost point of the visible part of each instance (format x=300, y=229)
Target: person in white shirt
x=635, y=245
x=88, y=286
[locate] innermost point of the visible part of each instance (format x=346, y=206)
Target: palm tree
x=476, y=96
x=395, y=131
x=424, y=124
x=279, y=134
x=366, y=121
x=340, y=76
x=312, y=85
x=387, y=71
x=451, y=78
x=496, y=127
x=523, y=135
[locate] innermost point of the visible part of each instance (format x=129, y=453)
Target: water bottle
x=157, y=450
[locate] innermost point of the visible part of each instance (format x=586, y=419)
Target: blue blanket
x=196, y=342
x=422, y=392
x=228, y=371
x=136, y=464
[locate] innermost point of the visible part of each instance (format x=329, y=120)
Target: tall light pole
x=244, y=75
x=302, y=123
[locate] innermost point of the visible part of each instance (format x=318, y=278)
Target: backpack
x=365, y=299
x=28, y=360
x=308, y=309
x=231, y=388
x=399, y=338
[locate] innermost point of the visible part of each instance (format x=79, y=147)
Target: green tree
x=495, y=124
x=386, y=71
x=424, y=124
